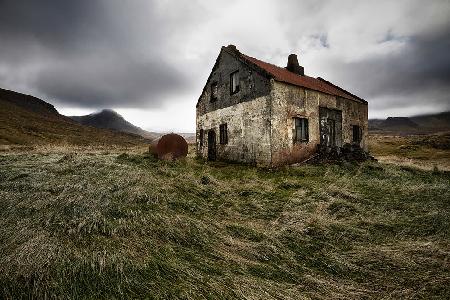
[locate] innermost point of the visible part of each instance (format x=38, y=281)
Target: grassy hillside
x=121, y=225
x=24, y=124
x=423, y=151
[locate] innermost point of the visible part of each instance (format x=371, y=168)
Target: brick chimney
x=293, y=65
x=232, y=47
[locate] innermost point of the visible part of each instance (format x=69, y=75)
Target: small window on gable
x=301, y=130
x=223, y=134
x=200, y=138
x=214, y=91
x=234, y=82
x=357, y=134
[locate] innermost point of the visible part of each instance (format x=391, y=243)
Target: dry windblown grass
x=426, y=152
x=103, y=223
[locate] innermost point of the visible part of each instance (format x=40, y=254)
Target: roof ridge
x=262, y=61
x=283, y=68
x=284, y=75
x=339, y=88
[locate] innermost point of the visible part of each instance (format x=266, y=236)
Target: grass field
x=117, y=224
x=426, y=152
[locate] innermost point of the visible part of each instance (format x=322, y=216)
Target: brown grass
x=114, y=223
x=426, y=152
x=21, y=127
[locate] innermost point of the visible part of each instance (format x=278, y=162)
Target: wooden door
x=330, y=127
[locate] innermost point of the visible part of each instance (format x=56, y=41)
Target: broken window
x=223, y=134
x=201, y=137
x=301, y=132
x=214, y=91
x=357, y=134
x=234, y=82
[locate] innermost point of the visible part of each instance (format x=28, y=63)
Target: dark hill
x=28, y=102
x=109, y=119
x=439, y=121
x=27, y=120
x=399, y=123
x=431, y=123
x=375, y=124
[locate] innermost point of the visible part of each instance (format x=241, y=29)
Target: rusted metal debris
x=169, y=147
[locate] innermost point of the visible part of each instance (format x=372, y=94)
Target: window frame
x=358, y=130
x=304, y=130
x=238, y=86
x=223, y=134
x=213, y=98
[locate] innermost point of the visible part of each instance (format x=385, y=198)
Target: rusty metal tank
x=169, y=147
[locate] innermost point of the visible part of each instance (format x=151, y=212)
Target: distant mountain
x=189, y=137
x=399, y=123
x=109, y=119
x=375, y=124
x=416, y=124
x=27, y=120
x=440, y=121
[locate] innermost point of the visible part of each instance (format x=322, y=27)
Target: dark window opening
x=357, y=134
x=201, y=137
x=301, y=130
x=234, y=82
x=223, y=134
x=214, y=91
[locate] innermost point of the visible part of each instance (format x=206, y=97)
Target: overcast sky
x=149, y=60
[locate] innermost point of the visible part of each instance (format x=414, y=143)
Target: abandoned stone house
x=255, y=112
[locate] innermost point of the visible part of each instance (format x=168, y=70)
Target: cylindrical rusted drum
x=170, y=147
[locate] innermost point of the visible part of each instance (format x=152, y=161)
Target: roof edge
x=341, y=89
x=232, y=50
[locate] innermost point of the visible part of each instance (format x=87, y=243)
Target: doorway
x=211, y=145
x=330, y=127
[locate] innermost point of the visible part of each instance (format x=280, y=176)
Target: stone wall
x=290, y=101
x=248, y=126
x=354, y=113
x=260, y=116
x=252, y=85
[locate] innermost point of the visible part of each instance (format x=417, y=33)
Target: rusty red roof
x=316, y=84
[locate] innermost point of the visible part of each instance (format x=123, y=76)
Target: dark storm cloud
x=89, y=53
x=54, y=24
x=117, y=83
x=421, y=68
x=31, y=29
x=395, y=54
x=143, y=53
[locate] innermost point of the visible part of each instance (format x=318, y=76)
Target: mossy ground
x=106, y=224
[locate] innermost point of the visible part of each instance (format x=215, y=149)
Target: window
x=223, y=134
x=214, y=92
x=201, y=137
x=301, y=132
x=357, y=134
x=234, y=82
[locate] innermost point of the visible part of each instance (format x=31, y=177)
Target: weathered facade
x=254, y=112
